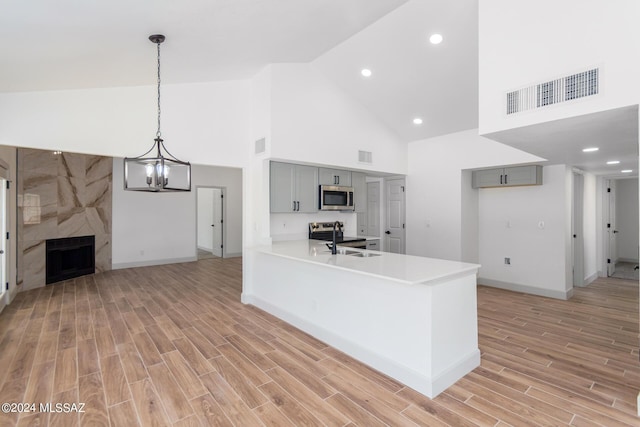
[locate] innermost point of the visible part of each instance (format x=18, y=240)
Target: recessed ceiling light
x=417, y=121
x=613, y=162
x=366, y=72
x=435, y=38
x=591, y=149
x=626, y=171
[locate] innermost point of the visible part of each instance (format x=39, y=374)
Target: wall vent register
x=555, y=91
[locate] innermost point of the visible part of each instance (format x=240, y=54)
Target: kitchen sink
x=342, y=251
x=364, y=254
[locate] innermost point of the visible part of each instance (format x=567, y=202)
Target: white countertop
x=405, y=269
x=369, y=237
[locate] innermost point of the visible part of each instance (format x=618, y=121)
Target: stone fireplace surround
x=61, y=195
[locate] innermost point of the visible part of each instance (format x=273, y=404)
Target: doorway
x=210, y=230
x=577, y=230
x=622, y=228
x=395, y=216
x=4, y=219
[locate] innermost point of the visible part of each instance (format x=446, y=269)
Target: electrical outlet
x=507, y=261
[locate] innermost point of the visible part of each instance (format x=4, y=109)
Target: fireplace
x=70, y=257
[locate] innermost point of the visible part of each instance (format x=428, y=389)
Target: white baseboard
x=589, y=280
x=631, y=260
x=121, y=265
x=550, y=293
x=429, y=386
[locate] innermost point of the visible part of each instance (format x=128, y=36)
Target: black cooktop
x=329, y=238
x=324, y=231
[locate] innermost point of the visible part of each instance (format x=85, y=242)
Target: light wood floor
x=172, y=345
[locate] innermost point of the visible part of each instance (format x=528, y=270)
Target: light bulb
x=435, y=38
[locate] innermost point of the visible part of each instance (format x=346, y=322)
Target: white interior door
x=217, y=221
x=577, y=229
x=373, y=209
x=611, y=229
x=204, y=201
x=394, y=230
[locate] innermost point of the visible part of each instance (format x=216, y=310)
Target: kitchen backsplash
x=295, y=226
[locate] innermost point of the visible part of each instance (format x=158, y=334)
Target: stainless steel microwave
x=336, y=198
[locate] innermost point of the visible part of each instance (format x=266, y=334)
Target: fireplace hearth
x=70, y=257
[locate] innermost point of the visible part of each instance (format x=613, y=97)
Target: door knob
x=213, y=225
x=387, y=232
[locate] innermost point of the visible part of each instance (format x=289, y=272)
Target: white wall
x=314, y=121
x=469, y=227
x=627, y=219
x=434, y=189
x=256, y=175
x=536, y=41
x=529, y=225
x=210, y=120
x=150, y=228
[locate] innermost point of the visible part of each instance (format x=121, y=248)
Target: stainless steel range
x=324, y=231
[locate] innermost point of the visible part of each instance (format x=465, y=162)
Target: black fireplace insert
x=70, y=257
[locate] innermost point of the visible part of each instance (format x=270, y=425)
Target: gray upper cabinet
x=507, y=177
x=293, y=188
x=334, y=177
x=359, y=184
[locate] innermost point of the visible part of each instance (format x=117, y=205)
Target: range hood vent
x=555, y=91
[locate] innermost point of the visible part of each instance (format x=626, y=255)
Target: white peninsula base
x=412, y=318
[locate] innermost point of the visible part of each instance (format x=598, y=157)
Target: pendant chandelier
x=163, y=172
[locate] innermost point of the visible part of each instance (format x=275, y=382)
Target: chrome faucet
x=334, y=248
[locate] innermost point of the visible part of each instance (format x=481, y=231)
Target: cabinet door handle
x=298, y=206
x=338, y=178
x=505, y=179
x=294, y=205
x=500, y=179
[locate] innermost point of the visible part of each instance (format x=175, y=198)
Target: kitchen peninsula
x=412, y=318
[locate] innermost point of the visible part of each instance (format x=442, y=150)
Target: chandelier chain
x=158, y=133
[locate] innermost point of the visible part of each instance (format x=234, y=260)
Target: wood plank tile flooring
x=173, y=345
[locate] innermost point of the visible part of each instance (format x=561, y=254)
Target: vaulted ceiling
x=72, y=44
x=69, y=44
